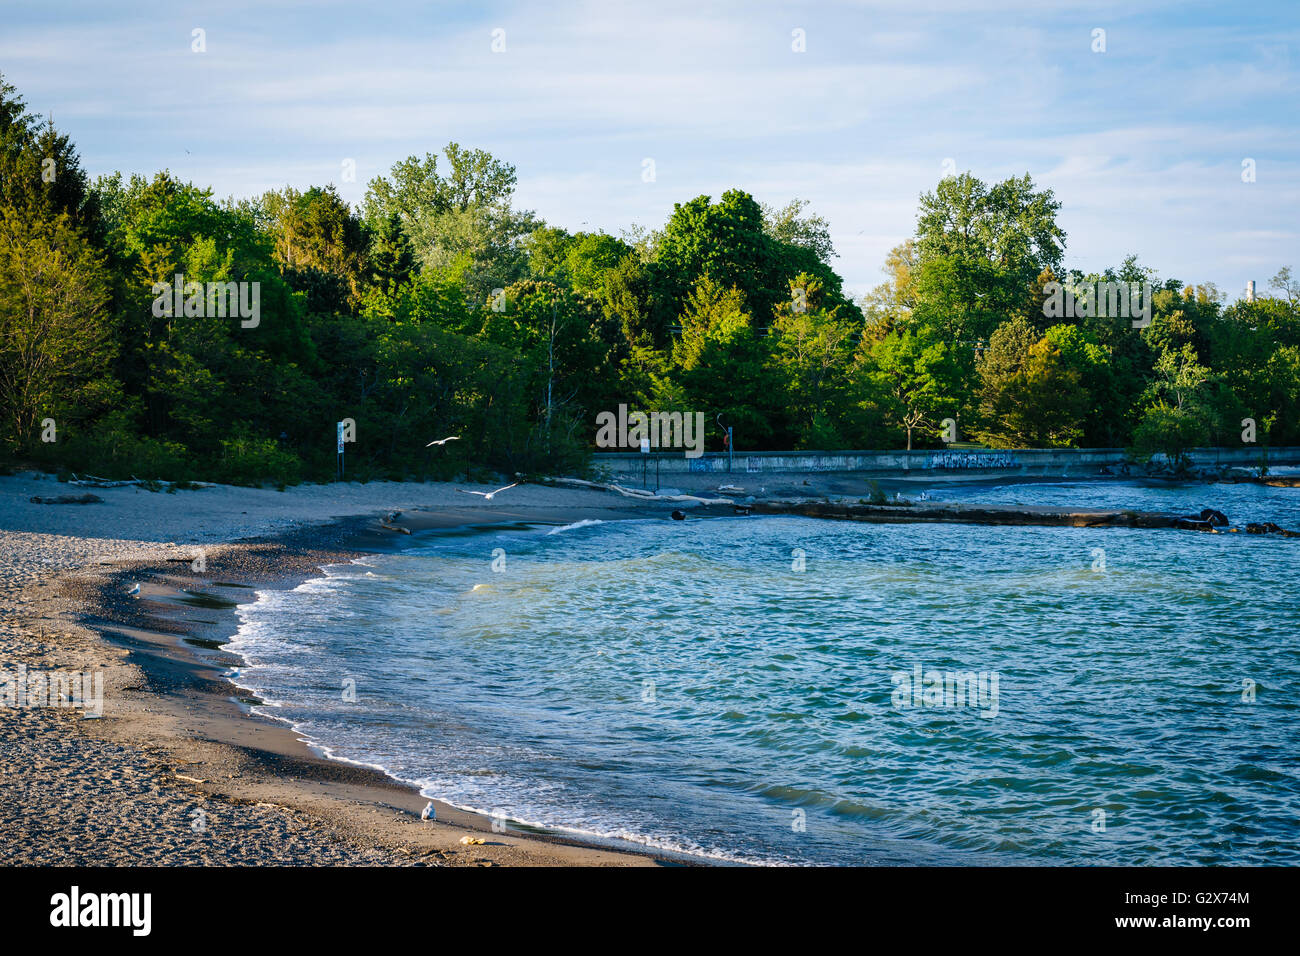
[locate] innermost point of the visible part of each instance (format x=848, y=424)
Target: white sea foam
x=528, y=698
x=584, y=523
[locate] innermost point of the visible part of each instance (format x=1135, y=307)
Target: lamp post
x=340, y=444
x=726, y=439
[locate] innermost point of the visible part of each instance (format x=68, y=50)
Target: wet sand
x=178, y=771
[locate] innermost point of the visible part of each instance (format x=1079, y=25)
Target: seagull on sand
x=487, y=495
x=429, y=813
x=135, y=589
x=443, y=441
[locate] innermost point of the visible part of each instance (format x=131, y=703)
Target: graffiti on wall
x=972, y=459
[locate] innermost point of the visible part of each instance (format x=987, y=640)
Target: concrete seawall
x=1067, y=462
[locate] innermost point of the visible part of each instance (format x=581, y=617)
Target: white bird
x=443, y=441
x=487, y=495
x=135, y=589
x=429, y=813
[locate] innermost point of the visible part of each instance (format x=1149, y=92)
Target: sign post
x=340, y=437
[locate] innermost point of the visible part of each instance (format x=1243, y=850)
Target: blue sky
x=1143, y=144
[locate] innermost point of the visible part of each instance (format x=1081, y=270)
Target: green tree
x=813, y=346
x=391, y=256
x=907, y=370
x=316, y=231
x=461, y=222
x=721, y=367
x=55, y=340
x=790, y=225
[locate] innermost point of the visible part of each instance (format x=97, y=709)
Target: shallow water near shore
x=685, y=686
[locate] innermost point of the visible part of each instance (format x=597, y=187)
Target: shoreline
x=179, y=737
x=208, y=661
x=174, y=723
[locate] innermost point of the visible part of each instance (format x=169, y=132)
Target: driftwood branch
x=637, y=493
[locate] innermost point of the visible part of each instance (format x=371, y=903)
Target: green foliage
x=40, y=172
x=53, y=325
x=1170, y=431
x=440, y=309
x=316, y=232
x=245, y=455
x=722, y=367
x=460, y=222
x=908, y=376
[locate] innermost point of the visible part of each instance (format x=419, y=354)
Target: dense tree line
x=438, y=308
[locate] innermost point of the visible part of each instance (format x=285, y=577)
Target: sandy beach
x=177, y=771
x=142, y=587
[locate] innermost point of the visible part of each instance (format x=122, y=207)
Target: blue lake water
x=682, y=685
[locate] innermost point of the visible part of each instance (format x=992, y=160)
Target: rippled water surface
x=682, y=685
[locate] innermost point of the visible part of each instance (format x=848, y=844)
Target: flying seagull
x=443, y=441
x=487, y=495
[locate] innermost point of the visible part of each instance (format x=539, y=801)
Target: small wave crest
x=584, y=523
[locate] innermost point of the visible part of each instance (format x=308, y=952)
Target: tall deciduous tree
x=907, y=370
x=55, y=344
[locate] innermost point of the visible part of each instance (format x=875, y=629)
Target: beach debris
x=94, y=482
x=86, y=499
x=181, y=776
x=730, y=489
x=637, y=493
x=443, y=441
x=472, y=841
x=645, y=495
x=1207, y=520
x=429, y=812
x=393, y=527
x=678, y=516
x=488, y=495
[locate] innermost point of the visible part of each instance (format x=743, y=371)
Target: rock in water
x=1216, y=518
